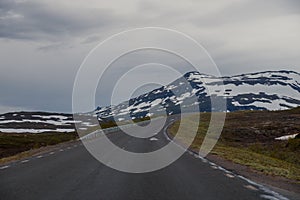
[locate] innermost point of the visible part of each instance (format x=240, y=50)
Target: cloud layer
x=44, y=42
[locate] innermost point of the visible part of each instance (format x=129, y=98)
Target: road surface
x=72, y=173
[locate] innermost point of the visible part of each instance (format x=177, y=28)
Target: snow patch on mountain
x=42, y=122
x=270, y=90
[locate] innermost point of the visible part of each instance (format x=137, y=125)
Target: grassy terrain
x=248, y=138
x=11, y=144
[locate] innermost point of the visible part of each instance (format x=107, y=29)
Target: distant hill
x=269, y=90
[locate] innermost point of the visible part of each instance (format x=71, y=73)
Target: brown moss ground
x=248, y=138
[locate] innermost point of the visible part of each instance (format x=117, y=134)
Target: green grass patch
x=248, y=138
x=259, y=161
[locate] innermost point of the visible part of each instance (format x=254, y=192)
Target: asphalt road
x=72, y=173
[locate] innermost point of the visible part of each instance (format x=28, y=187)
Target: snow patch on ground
x=286, y=137
x=51, y=116
x=62, y=130
x=40, y=121
x=89, y=124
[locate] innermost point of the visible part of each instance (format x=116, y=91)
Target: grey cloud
x=43, y=44
x=55, y=46
x=91, y=39
x=35, y=20
x=6, y=5
x=245, y=11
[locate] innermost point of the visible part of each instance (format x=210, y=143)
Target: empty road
x=72, y=173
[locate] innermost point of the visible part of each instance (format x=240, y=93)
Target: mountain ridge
x=266, y=90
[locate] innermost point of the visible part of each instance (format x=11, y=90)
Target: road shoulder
x=279, y=184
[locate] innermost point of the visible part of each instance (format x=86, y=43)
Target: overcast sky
x=43, y=42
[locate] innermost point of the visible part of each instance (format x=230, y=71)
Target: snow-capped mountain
x=269, y=90
x=42, y=122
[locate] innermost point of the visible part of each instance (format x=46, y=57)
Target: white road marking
x=224, y=170
x=153, y=139
x=251, y=187
x=69, y=148
x=214, y=167
x=229, y=175
x=5, y=167
x=268, y=197
x=61, y=150
x=39, y=156
x=203, y=159
x=24, y=161
x=273, y=195
x=51, y=153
